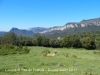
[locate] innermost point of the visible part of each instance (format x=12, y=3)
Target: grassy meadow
x=67, y=61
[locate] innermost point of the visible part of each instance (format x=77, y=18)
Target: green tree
x=12, y=38
x=20, y=41
x=0, y=40
x=37, y=39
x=51, y=42
x=77, y=43
x=88, y=43
x=66, y=42
x=97, y=41
x=9, y=38
x=44, y=41
x=56, y=43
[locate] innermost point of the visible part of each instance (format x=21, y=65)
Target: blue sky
x=24, y=14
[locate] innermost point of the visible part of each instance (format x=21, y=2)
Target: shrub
x=45, y=52
x=2, y=69
x=22, y=50
x=88, y=72
x=96, y=52
x=74, y=56
x=66, y=54
x=26, y=50
x=10, y=49
x=61, y=64
x=2, y=52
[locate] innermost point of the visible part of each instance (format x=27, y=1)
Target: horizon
x=25, y=14
x=48, y=27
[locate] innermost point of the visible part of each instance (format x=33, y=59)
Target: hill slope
x=22, y=32
x=73, y=27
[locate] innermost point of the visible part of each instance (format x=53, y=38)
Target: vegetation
x=45, y=52
x=10, y=49
x=89, y=40
x=70, y=61
x=21, y=55
x=12, y=44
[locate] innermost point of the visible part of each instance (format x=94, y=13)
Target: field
x=67, y=61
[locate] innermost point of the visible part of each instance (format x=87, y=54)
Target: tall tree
x=9, y=38
x=88, y=43
x=51, y=42
x=44, y=41
x=37, y=38
x=66, y=42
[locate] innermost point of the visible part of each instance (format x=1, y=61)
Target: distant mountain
x=26, y=32
x=74, y=27
x=22, y=32
x=37, y=29
x=60, y=31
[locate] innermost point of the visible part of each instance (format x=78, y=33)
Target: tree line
x=87, y=40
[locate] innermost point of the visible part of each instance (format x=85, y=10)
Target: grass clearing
x=67, y=62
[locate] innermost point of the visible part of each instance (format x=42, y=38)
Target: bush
x=45, y=52
x=23, y=50
x=96, y=52
x=88, y=43
x=2, y=52
x=74, y=56
x=66, y=54
x=26, y=50
x=10, y=49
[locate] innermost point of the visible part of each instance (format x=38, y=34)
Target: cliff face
x=83, y=23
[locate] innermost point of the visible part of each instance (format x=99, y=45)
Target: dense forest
x=87, y=40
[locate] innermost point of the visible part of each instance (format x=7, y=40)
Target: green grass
x=75, y=61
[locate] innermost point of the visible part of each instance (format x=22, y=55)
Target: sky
x=24, y=14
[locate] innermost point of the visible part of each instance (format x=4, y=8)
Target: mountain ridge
x=83, y=23
x=68, y=28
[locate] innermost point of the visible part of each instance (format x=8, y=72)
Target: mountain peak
x=14, y=29
x=90, y=20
